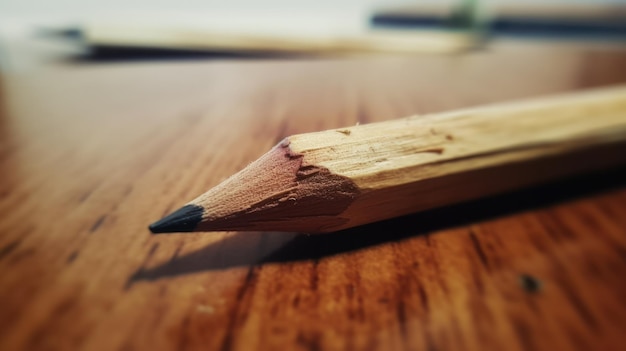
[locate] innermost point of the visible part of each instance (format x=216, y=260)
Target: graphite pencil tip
x=184, y=219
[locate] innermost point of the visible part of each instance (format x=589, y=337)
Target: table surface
x=90, y=154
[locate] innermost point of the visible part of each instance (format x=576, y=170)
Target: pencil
x=336, y=179
x=100, y=35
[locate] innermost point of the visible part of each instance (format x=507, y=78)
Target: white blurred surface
x=20, y=18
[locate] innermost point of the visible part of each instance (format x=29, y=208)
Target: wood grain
x=90, y=154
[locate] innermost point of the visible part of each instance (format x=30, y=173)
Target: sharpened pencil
x=341, y=178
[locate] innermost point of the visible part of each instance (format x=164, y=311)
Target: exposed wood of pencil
x=336, y=179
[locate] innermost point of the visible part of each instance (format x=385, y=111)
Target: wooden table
x=91, y=154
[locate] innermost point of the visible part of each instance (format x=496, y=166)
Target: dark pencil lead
x=184, y=219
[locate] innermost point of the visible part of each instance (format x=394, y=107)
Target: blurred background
x=35, y=30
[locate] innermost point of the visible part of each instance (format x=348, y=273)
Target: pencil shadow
x=115, y=54
x=246, y=249
x=111, y=53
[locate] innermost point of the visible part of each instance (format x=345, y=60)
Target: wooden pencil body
x=336, y=179
x=422, y=162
